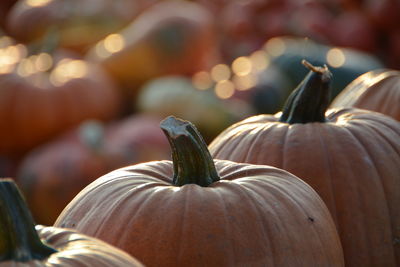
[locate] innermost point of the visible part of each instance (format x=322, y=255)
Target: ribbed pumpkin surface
x=253, y=216
x=352, y=160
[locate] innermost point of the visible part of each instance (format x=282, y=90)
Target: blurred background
x=84, y=84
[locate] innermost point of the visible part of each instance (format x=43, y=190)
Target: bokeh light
x=335, y=57
x=202, y=80
x=275, y=46
x=114, y=43
x=259, y=60
x=37, y=3
x=220, y=72
x=224, y=89
x=242, y=66
x=68, y=69
x=245, y=82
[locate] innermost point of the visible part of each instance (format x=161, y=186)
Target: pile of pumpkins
x=317, y=184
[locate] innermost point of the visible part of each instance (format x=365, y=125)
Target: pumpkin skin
x=227, y=214
x=25, y=245
x=357, y=178
x=377, y=90
x=37, y=107
x=171, y=37
x=52, y=174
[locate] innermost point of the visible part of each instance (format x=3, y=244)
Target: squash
x=351, y=157
x=47, y=93
x=346, y=64
x=176, y=95
x=52, y=174
x=79, y=23
x=170, y=37
x=23, y=244
x=377, y=90
x=199, y=212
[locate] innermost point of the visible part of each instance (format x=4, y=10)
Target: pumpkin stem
x=19, y=240
x=192, y=161
x=310, y=100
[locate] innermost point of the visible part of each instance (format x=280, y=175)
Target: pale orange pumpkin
x=194, y=211
x=351, y=157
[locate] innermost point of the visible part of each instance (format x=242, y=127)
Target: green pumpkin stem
x=19, y=240
x=192, y=161
x=310, y=100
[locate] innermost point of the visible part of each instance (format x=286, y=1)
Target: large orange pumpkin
x=197, y=212
x=51, y=175
x=351, y=157
x=23, y=244
x=377, y=90
x=39, y=101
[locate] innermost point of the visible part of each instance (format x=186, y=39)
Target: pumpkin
x=39, y=100
x=194, y=211
x=24, y=244
x=170, y=37
x=79, y=24
x=346, y=64
x=351, y=157
x=51, y=175
x=377, y=90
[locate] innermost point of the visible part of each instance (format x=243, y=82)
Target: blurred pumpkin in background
x=46, y=92
x=346, y=64
x=52, y=174
x=176, y=95
x=171, y=37
x=80, y=23
x=377, y=90
x=5, y=6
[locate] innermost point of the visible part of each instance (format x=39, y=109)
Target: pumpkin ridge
x=301, y=207
x=384, y=186
x=273, y=189
x=266, y=232
x=378, y=129
x=182, y=226
x=228, y=228
x=284, y=147
x=370, y=158
x=330, y=178
x=356, y=191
